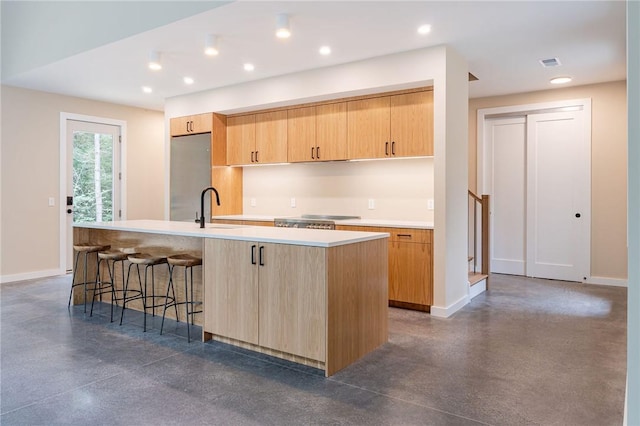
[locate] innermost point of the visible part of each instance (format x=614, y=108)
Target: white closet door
x=507, y=147
x=558, y=198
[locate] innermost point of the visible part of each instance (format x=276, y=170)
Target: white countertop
x=388, y=223
x=303, y=237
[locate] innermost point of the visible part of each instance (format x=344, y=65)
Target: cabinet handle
x=257, y=157
x=252, y=157
x=312, y=157
x=253, y=254
x=386, y=148
x=318, y=152
x=261, y=255
x=404, y=235
x=393, y=148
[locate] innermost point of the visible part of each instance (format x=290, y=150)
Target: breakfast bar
x=314, y=297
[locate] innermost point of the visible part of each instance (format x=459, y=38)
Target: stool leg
x=73, y=278
x=126, y=286
x=186, y=304
x=112, y=271
x=166, y=299
x=96, y=284
x=85, y=281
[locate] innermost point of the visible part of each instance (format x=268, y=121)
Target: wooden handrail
x=477, y=198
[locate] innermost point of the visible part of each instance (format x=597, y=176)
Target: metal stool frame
x=188, y=300
x=75, y=271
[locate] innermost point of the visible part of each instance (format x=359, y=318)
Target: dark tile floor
x=526, y=352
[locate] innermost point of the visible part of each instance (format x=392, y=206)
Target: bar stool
x=110, y=257
x=149, y=261
x=188, y=262
x=85, y=248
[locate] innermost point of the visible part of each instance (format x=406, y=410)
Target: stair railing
x=479, y=233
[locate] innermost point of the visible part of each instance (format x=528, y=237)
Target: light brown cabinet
x=271, y=295
x=191, y=124
x=410, y=265
x=391, y=126
x=317, y=133
x=243, y=222
x=257, y=138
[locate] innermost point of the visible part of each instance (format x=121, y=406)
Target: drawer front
x=408, y=235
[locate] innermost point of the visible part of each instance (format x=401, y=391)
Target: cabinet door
x=301, y=134
x=331, y=132
x=271, y=137
x=292, y=300
x=410, y=274
x=412, y=124
x=368, y=128
x=241, y=139
x=231, y=289
x=191, y=124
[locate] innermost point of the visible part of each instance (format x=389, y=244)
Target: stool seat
x=113, y=255
x=186, y=260
x=147, y=259
x=90, y=248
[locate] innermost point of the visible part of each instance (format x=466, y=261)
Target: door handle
x=312, y=157
x=69, y=211
x=257, y=156
x=252, y=157
x=386, y=148
x=577, y=214
x=261, y=255
x=393, y=148
x=317, y=152
x=253, y=254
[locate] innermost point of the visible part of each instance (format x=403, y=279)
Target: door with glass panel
x=93, y=176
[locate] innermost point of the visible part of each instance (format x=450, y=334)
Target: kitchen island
x=310, y=296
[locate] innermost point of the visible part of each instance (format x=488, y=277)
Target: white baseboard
x=441, y=312
x=616, y=282
x=30, y=275
x=478, y=288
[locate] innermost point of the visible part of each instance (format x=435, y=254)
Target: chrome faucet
x=211, y=188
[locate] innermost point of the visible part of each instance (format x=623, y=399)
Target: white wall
x=30, y=146
x=439, y=67
x=400, y=189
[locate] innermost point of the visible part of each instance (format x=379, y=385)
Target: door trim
x=64, y=117
x=482, y=178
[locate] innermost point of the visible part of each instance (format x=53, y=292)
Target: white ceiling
x=502, y=42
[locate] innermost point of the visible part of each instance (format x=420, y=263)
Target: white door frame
x=64, y=117
x=482, y=176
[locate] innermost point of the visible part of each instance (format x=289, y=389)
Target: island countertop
x=303, y=237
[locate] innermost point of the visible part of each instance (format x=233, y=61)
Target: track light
x=154, y=60
x=282, y=26
x=211, y=45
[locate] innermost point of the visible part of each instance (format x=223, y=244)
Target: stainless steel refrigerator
x=190, y=173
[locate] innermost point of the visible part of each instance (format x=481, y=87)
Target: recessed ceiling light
x=560, y=80
x=188, y=80
x=325, y=50
x=211, y=45
x=424, y=29
x=154, y=61
x=147, y=89
x=282, y=26
x=249, y=67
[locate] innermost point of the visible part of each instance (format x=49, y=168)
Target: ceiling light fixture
x=325, y=50
x=211, y=45
x=282, y=26
x=154, y=60
x=249, y=67
x=188, y=80
x=560, y=80
x=424, y=29
x=147, y=89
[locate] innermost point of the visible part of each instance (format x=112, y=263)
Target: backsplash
x=398, y=189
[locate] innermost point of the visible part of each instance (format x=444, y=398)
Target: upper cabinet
x=257, y=138
x=391, y=126
x=191, y=124
x=317, y=133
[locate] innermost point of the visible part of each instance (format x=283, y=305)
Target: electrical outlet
x=293, y=202
x=52, y=201
x=252, y=202
x=372, y=204
x=430, y=204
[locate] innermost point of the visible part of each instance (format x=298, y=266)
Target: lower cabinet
x=243, y=222
x=410, y=265
x=270, y=295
